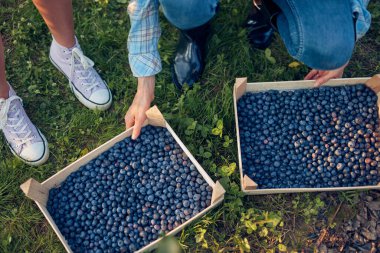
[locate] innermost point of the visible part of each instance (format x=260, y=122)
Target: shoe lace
x=17, y=122
x=83, y=68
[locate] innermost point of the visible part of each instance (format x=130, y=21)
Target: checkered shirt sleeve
x=143, y=37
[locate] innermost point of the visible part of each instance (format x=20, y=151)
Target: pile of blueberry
x=326, y=137
x=129, y=195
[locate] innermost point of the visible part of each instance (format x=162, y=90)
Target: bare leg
x=4, y=88
x=58, y=15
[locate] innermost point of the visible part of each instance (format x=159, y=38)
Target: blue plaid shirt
x=145, y=32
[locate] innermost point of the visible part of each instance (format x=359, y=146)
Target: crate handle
x=240, y=87
x=155, y=117
x=217, y=192
x=35, y=191
x=374, y=83
x=249, y=184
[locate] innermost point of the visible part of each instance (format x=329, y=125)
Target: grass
x=202, y=117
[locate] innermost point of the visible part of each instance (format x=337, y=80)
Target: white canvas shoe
x=86, y=84
x=23, y=138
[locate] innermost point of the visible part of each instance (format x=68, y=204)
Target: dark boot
x=258, y=24
x=189, y=63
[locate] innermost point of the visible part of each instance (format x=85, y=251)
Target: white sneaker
x=91, y=90
x=23, y=138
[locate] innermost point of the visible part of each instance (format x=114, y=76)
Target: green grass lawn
x=72, y=130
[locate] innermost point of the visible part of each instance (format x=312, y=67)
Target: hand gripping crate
x=39, y=192
x=248, y=185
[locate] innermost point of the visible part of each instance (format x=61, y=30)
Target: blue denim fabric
x=362, y=17
x=320, y=33
x=187, y=14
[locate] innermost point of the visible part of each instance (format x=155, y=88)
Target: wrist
x=145, y=87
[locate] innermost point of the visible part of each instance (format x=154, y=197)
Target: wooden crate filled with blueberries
x=296, y=138
x=127, y=194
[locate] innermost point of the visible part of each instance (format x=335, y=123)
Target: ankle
x=4, y=90
x=65, y=42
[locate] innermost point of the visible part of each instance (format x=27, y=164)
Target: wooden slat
x=374, y=83
x=240, y=87
x=235, y=99
x=34, y=190
x=249, y=184
x=324, y=189
x=155, y=117
x=217, y=192
x=295, y=85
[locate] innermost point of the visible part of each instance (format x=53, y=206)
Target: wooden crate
x=248, y=185
x=39, y=192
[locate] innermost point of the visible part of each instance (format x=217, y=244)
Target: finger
x=139, y=121
x=323, y=79
x=311, y=75
x=129, y=120
x=339, y=74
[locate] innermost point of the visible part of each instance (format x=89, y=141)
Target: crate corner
x=249, y=184
x=218, y=192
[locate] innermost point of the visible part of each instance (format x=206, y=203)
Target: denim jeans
x=319, y=33
x=187, y=14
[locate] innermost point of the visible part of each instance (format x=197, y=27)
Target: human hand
x=135, y=115
x=322, y=76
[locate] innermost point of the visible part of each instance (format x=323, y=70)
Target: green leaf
x=294, y=64
x=267, y=52
x=207, y=154
x=263, y=232
x=9, y=239
x=224, y=181
x=219, y=124
x=268, y=55
x=227, y=141
x=242, y=33
x=84, y=152
x=282, y=247
x=245, y=245
x=226, y=171
x=216, y=131
x=272, y=60
x=274, y=219
x=200, y=235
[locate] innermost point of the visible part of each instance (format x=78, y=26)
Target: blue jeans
x=320, y=33
x=187, y=14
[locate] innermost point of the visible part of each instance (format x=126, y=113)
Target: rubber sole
x=39, y=161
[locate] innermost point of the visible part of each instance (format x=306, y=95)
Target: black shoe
x=188, y=63
x=260, y=32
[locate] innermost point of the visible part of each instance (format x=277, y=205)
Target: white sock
x=59, y=46
x=62, y=55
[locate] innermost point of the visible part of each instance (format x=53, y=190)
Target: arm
x=144, y=58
